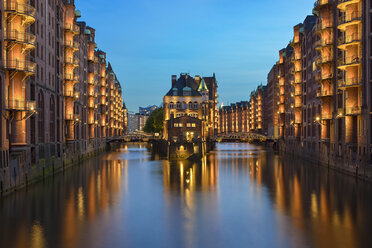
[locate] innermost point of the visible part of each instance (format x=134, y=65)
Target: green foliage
x=154, y=123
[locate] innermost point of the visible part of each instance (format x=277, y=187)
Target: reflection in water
x=240, y=195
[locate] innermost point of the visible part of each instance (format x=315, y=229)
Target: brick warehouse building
x=191, y=102
x=50, y=71
x=318, y=100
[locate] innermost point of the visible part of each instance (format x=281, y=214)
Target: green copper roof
x=203, y=86
x=78, y=13
x=87, y=31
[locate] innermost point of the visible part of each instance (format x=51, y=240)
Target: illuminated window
x=180, y=124
x=175, y=124
x=193, y=125
x=188, y=125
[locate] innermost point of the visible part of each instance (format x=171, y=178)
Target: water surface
x=240, y=195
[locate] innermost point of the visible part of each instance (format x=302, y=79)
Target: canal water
x=241, y=195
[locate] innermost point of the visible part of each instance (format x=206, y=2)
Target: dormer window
x=175, y=91
x=187, y=91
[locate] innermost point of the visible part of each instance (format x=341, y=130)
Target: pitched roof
x=203, y=86
x=185, y=81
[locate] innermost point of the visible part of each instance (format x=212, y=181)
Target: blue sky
x=147, y=41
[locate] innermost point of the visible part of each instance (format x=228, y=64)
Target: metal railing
x=72, y=27
x=20, y=105
x=353, y=16
x=20, y=65
x=21, y=8
x=349, y=60
x=355, y=110
x=345, y=82
x=349, y=39
x=73, y=44
x=22, y=37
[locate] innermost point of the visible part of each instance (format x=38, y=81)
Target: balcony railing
x=73, y=28
x=323, y=43
x=72, y=94
x=20, y=65
x=326, y=116
x=18, y=105
x=72, y=117
x=324, y=60
x=74, y=61
x=72, y=77
x=354, y=16
x=21, y=37
x=320, y=3
x=324, y=93
x=349, y=60
x=72, y=44
x=323, y=25
x=19, y=8
x=349, y=82
x=356, y=110
x=344, y=40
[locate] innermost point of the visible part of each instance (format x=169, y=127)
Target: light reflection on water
x=240, y=195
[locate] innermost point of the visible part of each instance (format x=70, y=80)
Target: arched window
x=171, y=105
x=190, y=105
x=41, y=117
x=184, y=105
x=178, y=105
x=52, y=119
x=196, y=106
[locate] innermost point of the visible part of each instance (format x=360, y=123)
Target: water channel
x=240, y=195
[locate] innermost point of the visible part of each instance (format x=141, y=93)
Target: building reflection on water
x=326, y=208
x=306, y=204
x=55, y=214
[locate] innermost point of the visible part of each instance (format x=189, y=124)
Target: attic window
x=175, y=91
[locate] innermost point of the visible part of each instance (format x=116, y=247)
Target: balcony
x=349, y=82
x=20, y=65
x=72, y=61
x=345, y=62
x=349, y=40
x=326, y=116
x=74, y=45
x=25, y=38
x=323, y=26
x=356, y=110
x=72, y=117
x=320, y=3
x=343, y=3
x=72, y=77
x=349, y=19
x=324, y=93
x=25, y=10
x=72, y=94
x=323, y=43
x=75, y=29
x=324, y=60
x=18, y=105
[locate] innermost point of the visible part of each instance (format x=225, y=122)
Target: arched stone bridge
x=242, y=137
x=132, y=137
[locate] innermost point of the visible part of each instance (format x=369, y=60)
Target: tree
x=154, y=123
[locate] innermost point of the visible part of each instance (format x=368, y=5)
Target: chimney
x=174, y=80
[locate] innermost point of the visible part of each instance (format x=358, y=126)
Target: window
x=52, y=120
x=178, y=105
x=196, y=105
x=190, y=105
x=41, y=117
x=180, y=124
x=188, y=125
x=193, y=124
